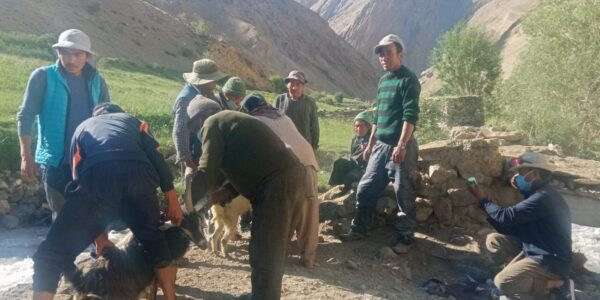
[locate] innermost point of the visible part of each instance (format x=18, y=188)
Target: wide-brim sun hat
x=533, y=160
x=74, y=39
x=204, y=71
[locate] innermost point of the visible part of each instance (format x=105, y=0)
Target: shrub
x=278, y=84
x=339, y=97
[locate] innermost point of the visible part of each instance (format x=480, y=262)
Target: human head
x=362, y=123
x=73, y=48
x=235, y=90
x=199, y=109
x=390, y=50
x=204, y=72
x=254, y=101
x=106, y=108
x=295, y=82
x=533, y=167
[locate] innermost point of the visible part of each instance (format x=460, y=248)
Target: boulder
x=438, y=174
x=442, y=209
x=461, y=197
x=4, y=207
x=3, y=195
x=3, y=185
x=386, y=205
x=424, y=209
x=23, y=211
x=9, y=221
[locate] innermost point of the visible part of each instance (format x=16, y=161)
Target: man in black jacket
x=116, y=168
x=535, y=234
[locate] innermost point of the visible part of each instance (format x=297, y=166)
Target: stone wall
x=21, y=204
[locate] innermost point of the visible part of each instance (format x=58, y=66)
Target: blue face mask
x=523, y=185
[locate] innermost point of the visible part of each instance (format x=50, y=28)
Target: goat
x=225, y=220
x=123, y=271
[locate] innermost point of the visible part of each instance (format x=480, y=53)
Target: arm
x=181, y=134
x=525, y=211
x=371, y=143
x=213, y=147
x=410, y=116
x=32, y=105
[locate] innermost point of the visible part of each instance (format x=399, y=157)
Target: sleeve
x=525, y=211
x=410, y=102
x=181, y=133
x=76, y=154
x=33, y=99
x=152, y=150
x=314, y=125
x=211, y=160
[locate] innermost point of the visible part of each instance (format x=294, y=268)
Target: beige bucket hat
x=388, y=40
x=204, y=71
x=534, y=160
x=74, y=39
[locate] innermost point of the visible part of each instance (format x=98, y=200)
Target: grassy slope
x=149, y=97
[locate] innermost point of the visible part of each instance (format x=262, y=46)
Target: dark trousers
x=345, y=172
x=276, y=210
x=121, y=190
x=380, y=171
x=55, y=180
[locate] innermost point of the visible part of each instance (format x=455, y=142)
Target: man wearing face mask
x=534, y=235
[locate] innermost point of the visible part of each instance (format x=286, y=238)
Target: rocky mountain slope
x=251, y=39
x=421, y=23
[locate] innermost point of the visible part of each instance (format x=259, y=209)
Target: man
x=392, y=149
x=61, y=96
x=259, y=166
x=349, y=171
x=307, y=230
x=201, y=81
x=534, y=235
x=301, y=108
x=233, y=92
x=116, y=170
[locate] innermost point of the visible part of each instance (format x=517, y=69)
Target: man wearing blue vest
x=59, y=97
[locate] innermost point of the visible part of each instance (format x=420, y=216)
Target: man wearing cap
x=301, y=108
x=232, y=94
x=392, y=150
x=307, y=230
x=61, y=96
x=534, y=235
x=349, y=171
x=116, y=169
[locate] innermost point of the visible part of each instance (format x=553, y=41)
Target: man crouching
x=116, y=168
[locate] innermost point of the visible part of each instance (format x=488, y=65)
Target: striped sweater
x=397, y=101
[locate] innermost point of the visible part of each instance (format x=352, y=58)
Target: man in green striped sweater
x=392, y=151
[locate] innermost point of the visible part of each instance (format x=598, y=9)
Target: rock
x=3, y=195
x=386, y=205
x=438, y=174
x=386, y=253
x=9, y=221
x=352, y=265
x=424, y=209
x=461, y=197
x=23, y=211
x=3, y=185
x=17, y=194
x=321, y=239
x=430, y=191
x=330, y=193
x=477, y=215
x=4, y=207
x=341, y=226
x=328, y=211
x=442, y=209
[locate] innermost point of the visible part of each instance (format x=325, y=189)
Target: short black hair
x=106, y=108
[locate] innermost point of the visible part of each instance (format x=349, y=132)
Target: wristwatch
x=402, y=146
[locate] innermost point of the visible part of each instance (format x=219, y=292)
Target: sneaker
x=352, y=235
x=402, y=247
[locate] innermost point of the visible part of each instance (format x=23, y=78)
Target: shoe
x=402, y=247
x=352, y=235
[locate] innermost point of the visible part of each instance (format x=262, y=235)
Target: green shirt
x=303, y=113
x=397, y=101
x=244, y=149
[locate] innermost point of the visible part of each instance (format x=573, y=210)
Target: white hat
x=388, y=40
x=74, y=39
x=533, y=160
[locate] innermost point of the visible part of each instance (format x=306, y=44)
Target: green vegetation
x=554, y=93
x=467, y=61
x=278, y=84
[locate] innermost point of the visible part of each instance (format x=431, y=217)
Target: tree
x=467, y=61
x=554, y=93
x=278, y=84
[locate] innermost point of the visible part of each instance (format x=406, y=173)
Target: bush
x=27, y=45
x=430, y=119
x=339, y=97
x=467, y=61
x=278, y=84
x=554, y=93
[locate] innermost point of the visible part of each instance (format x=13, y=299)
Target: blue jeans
x=380, y=171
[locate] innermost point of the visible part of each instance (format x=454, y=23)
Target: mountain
x=252, y=39
x=421, y=23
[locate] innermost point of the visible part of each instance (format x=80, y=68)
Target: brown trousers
x=275, y=212
x=307, y=230
x=522, y=277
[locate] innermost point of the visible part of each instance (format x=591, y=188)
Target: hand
x=29, y=170
x=192, y=165
x=174, y=212
x=477, y=192
x=221, y=196
x=103, y=242
x=398, y=155
x=367, y=152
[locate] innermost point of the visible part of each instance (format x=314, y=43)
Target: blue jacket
x=542, y=221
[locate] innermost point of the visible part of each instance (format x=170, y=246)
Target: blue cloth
x=542, y=221
x=380, y=171
x=47, y=96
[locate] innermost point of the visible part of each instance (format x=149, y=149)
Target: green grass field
x=145, y=92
